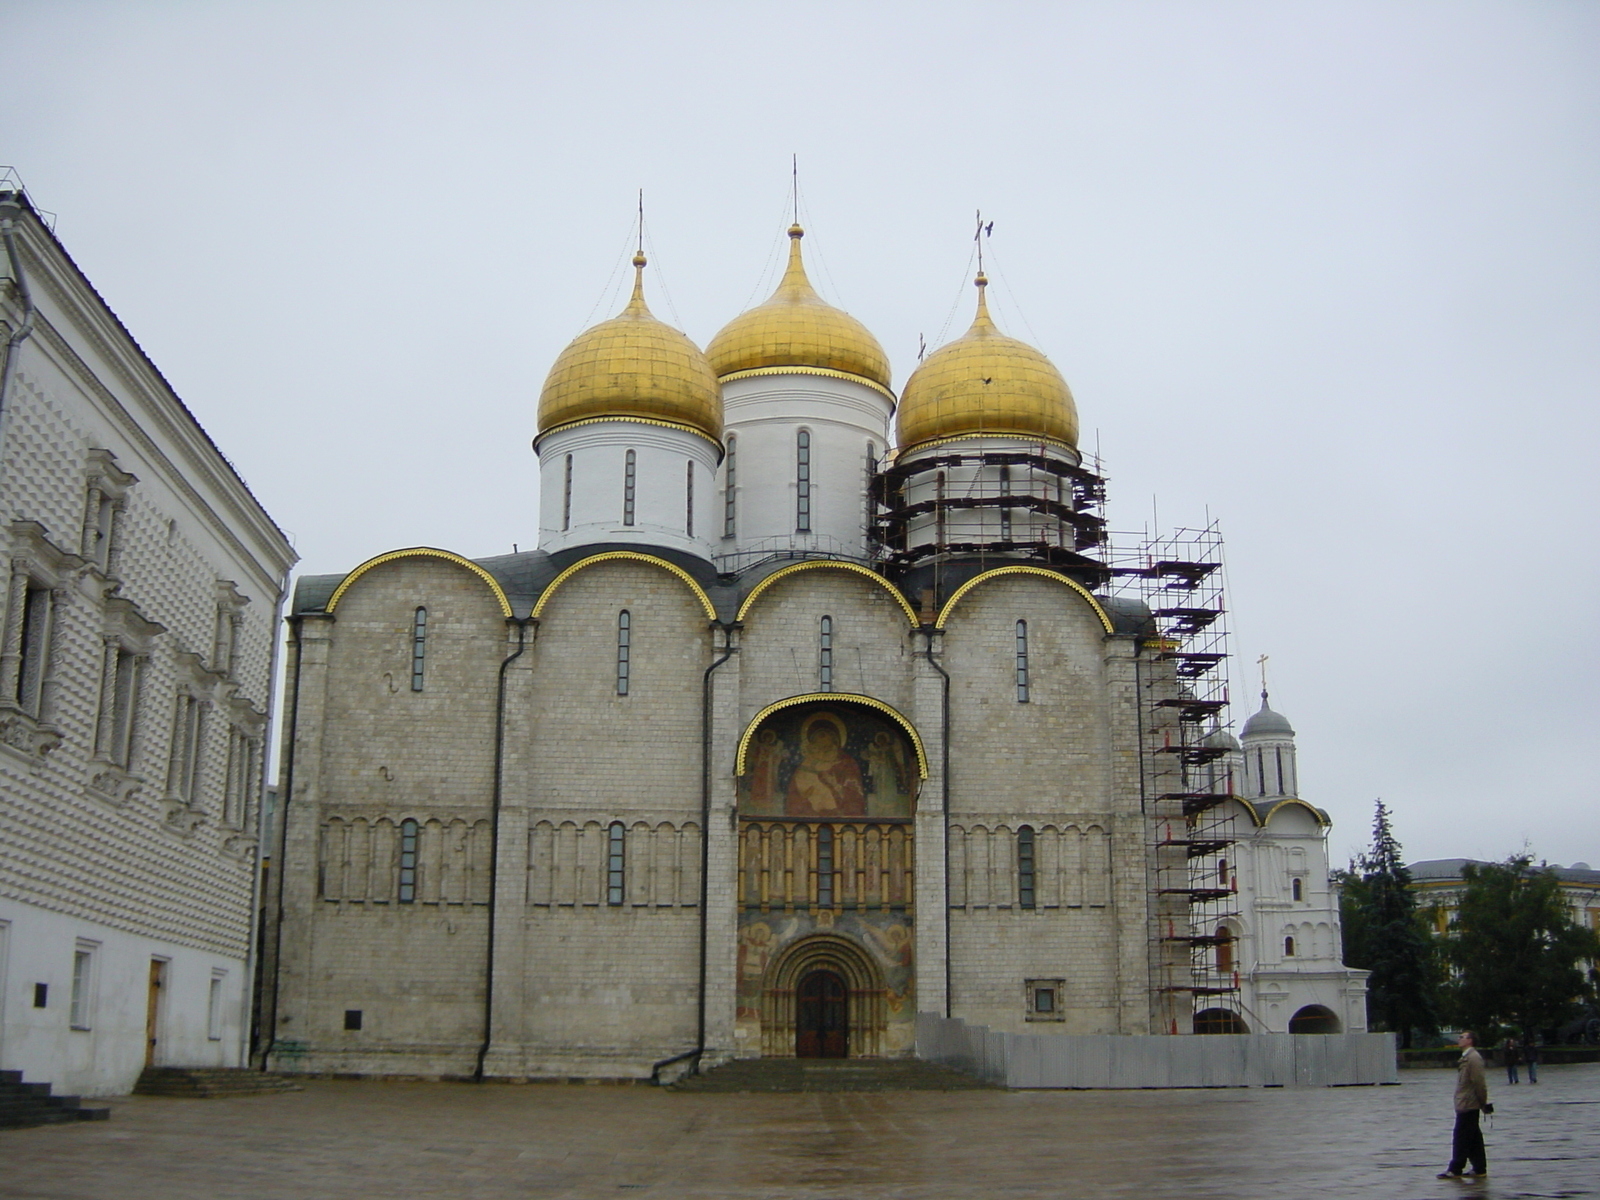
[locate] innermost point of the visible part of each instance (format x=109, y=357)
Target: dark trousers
x=1467, y=1144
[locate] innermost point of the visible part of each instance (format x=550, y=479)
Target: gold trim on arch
x=839, y=697
x=1019, y=569
x=825, y=372
x=816, y=563
x=419, y=552
x=656, y=421
x=1277, y=807
x=626, y=556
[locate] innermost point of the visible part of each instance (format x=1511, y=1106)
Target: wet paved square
x=339, y=1139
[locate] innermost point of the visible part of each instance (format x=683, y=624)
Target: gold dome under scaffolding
x=636, y=367
x=797, y=330
x=985, y=383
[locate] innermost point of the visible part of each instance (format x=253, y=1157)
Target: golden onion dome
x=797, y=330
x=985, y=383
x=632, y=367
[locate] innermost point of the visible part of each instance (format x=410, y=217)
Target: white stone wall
x=145, y=845
x=763, y=415
x=1266, y=861
x=584, y=986
x=664, y=513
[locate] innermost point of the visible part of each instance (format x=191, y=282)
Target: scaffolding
x=1031, y=503
x=1185, y=777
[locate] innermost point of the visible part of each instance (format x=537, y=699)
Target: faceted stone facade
x=142, y=585
x=611, y=951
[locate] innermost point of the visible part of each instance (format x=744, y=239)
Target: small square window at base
x=1044, y=999
x=352, y=1018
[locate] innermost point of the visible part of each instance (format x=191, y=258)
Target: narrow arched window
x=825, y=654
x=419, y=647
x=1222, y=872
x=630, y=479
x=566, y=497
x=688, y=500
x=1025, y=867
x=616, y=863
x=825, y=866
x=938, y=509
x=408, y=862
x=624, y=650
x=1022, y=662
x=802, y=482
x=1297, y=888
x=1005, y=510
x=1277, y=754
x=1288, y=947
x=1224, y=949
x=872, y=469
x=730, y=480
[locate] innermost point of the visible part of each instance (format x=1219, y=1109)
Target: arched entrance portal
x=822, y=1017
x=1219, y=1020
x=1314, y=1018
x=824, y=997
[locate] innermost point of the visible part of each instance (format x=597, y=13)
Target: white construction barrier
x=1034, y=1060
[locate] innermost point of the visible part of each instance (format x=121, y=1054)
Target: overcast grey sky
x=1327, y=272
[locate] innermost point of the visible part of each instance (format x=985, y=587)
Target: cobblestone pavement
x=339, y=1140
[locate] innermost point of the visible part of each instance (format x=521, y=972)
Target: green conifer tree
x=1385, y=934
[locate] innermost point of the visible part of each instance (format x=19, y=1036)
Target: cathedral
x=816, y=708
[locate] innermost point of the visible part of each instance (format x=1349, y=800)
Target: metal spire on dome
x=636, y=305
x=982, y=320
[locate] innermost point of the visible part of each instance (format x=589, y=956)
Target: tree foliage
x=1385, y=934
x=1517, y=953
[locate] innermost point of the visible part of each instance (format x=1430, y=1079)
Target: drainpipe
x=944, y=781
x=705, y=853
x=494, y=842
x=257, y=929
x=10, y=210
x=284, y=794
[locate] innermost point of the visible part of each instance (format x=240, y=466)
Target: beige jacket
x=1472, y=1087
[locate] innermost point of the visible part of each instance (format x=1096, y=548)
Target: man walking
x=1471, y=1099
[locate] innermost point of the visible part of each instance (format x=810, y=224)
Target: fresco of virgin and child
x=821, y=760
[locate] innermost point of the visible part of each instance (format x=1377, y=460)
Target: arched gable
x=1019, y=569
x=826, y=565
x=627, y=556
x=420, y=552
x=1317, y=815
x=740, y=762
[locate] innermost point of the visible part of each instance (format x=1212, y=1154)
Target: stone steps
x=210, y=1082
x=828, y=1075
x=24, y=1104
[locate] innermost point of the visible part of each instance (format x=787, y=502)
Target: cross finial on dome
x=1262, y=663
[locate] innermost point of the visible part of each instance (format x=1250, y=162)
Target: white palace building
x=815, y=709
x=142, y=589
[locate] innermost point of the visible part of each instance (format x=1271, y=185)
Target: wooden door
x=822, y=1017
x=152, y=1014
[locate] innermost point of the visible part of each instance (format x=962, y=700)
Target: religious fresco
x=829, y=760
x=887, y=937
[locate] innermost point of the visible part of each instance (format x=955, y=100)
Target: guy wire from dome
x=795, y=330
x=985, y=384
x=632, y=367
